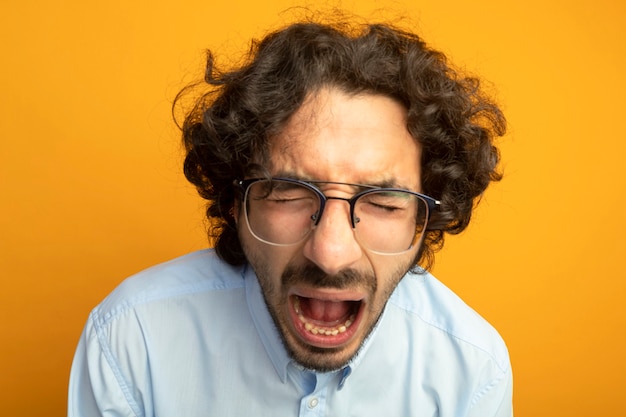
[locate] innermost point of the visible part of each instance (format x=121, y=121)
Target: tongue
x=325, y=311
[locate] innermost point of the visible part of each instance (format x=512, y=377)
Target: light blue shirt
x=193, y=337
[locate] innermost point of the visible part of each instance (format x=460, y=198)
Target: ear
x=236, y=210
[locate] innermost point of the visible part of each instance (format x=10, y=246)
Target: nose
x=332, y=245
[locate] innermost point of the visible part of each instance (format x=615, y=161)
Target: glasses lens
x=279, y=212
x=390, y=221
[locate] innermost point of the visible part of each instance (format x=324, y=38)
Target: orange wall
x=91, y=189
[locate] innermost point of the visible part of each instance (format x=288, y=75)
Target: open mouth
x=323, y=322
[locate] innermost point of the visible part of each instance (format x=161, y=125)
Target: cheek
x=269, y=262
x=389, y=270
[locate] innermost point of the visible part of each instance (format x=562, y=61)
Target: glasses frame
x=431, y=203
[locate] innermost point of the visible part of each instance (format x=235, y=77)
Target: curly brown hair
x=226, y=133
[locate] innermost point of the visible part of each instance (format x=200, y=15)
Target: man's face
x=327, y=293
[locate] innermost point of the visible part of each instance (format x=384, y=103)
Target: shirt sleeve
x=98, y=386
x=495, y=399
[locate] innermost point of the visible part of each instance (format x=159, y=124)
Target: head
x=347, y=109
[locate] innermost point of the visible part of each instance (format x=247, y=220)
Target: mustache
x=316, y=278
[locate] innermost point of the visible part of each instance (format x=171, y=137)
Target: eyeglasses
x=284, y=211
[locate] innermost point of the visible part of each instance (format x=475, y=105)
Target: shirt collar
x=265, y=324
x=271, y=338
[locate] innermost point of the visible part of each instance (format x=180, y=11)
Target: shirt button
x=313, y=402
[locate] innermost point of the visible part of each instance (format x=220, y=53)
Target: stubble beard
x=277, y=302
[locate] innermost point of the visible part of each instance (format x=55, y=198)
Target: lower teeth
x=326, y=331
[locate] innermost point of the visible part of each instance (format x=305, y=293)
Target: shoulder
x=426, y=300
x=152, y=326
x=197, y=273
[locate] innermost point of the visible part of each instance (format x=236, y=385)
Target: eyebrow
x=385, y=183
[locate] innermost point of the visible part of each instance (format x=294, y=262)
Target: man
x=333, y=162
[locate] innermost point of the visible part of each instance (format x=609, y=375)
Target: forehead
x=359, y=139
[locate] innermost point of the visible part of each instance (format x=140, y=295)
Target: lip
x=337, y=340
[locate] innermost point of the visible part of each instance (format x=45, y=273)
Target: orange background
x=91, y=188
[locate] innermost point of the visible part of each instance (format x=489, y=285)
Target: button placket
x=313, y=405
x=313, y=402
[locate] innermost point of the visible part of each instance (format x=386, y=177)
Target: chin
x=322, y=359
